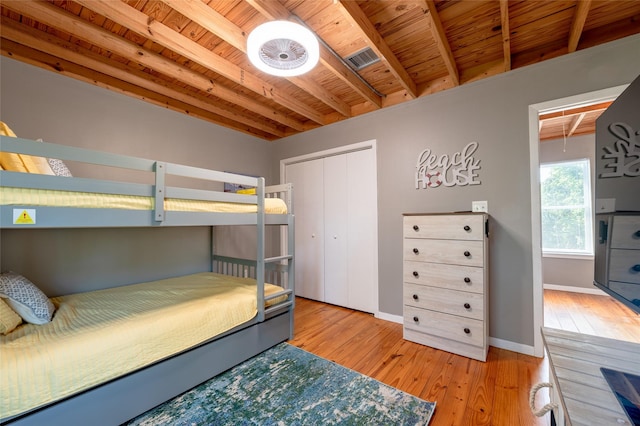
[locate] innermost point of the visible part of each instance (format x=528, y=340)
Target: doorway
x=534, y=155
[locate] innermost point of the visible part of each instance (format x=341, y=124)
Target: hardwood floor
x=590, y=314
x=467, y=392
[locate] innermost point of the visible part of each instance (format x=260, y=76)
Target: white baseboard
x=389, y=317
x=498, y=343
x=511, y=346
x=572, y=289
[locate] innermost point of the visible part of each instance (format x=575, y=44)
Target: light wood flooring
x=599, y=315
x=467, y=392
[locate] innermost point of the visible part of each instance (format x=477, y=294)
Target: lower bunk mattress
x=100, y=335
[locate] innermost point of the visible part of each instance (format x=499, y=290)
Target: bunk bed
x=265, y=284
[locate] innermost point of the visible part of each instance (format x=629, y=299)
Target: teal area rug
x=286, y=385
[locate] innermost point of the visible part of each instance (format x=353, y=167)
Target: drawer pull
x=467, y=228
x=636, y=268
x=416, y=319
x=415, y=297
x=637, y=234
x=416, y=274
x=416, y=228
x=467, y=253
x=467, y=306
x=467, y=280
x=467, y=331
x=416, y=251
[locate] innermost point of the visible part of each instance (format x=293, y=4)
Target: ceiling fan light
x=283, y=48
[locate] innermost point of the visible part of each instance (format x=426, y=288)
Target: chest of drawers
x=445, y=281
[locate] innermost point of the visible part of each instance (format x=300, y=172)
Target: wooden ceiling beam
x=442, y=42
x=577, y=24
x=482, y=71
x=212, y=21
x=374, y=40
x=564, y=113
x=506, y=34
x=32, y=38
x=401, y=96
x=274, y=10
x=57, y=18
x=141, y=24
x=60, y=66
x=575, y=123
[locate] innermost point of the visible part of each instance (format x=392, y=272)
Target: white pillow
x=25, y=298
x=58, y=167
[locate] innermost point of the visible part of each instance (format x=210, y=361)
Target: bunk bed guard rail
x=159, y=191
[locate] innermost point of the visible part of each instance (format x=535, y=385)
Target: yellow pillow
x=250, y=191
x=22, y=162
x=5, y=130
x=9, y=320
x=38, y=165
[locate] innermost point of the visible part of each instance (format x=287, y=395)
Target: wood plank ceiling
x=571, y=122
x=190, y=55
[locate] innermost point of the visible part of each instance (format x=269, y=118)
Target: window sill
x=568, y=256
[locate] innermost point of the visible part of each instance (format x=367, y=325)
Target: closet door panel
x=308, y=184
x=336, y=212
x=361, y=223
x=335, y=205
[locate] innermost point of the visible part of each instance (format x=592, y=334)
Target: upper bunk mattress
x=54, y=198
x=100, y=335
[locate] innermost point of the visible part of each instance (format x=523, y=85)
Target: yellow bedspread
x=100, y=335
x=44, y=197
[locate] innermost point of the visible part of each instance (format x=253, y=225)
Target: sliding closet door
x=335, y=202
x=308, y=185
x=362, y=223
x=336, y=232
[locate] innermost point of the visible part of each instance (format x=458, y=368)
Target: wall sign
x=460, y=168
x=625, y=152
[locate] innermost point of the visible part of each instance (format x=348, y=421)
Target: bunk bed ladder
x=277, y=261
x=286, y=264
x=277, y=270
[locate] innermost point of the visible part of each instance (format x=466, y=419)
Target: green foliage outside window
x=566, y=207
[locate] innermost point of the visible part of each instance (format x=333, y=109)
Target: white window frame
x=588, y=212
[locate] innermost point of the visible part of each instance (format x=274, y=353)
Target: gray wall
x=65, y=261
x=37, y=103
x=574, y=272
x=493, y=112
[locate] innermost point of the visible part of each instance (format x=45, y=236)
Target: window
x=566, y=208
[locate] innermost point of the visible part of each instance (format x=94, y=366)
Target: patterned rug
x=286, y=385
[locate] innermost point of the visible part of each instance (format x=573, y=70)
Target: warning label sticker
x=24, y=216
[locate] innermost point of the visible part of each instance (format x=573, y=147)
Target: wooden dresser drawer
x=464, y=330
x=461, y=303
x=467, y=253
x=450, y=227
x=626, y=233
x=454, y=277
x=445, y=281
x=624, y=265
